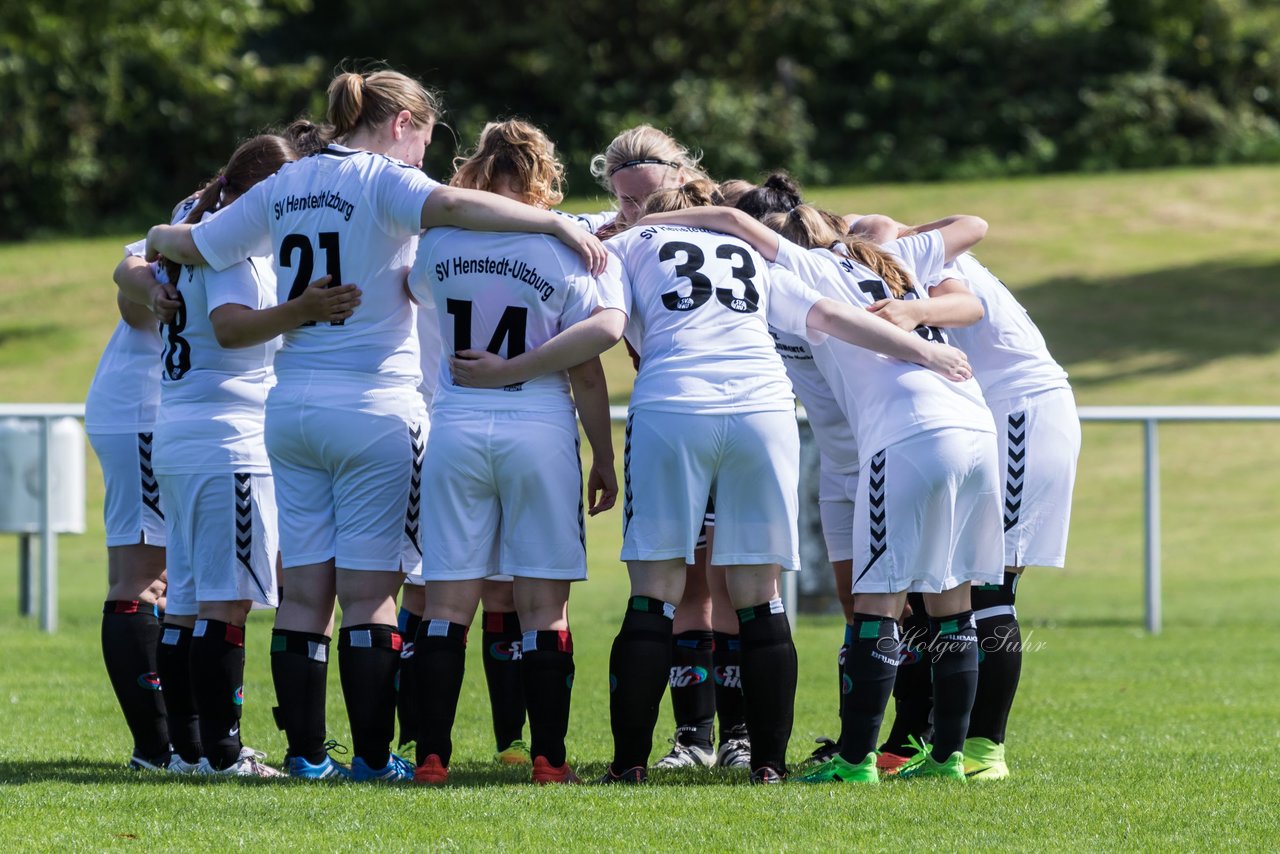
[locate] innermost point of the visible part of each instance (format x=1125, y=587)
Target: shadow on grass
x=15, y=334
x=1185, y=316
x=462, y=775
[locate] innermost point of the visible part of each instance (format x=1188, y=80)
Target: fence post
x=1151, y=494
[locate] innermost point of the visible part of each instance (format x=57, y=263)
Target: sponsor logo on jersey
x=518, y=270
x=683, y=677
x=315, y=201
x=150, y=681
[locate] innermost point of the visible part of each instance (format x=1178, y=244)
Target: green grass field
x=1152, y=288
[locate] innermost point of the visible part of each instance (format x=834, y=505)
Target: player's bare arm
x=726, y=221
x=860, y=329
x=237, y=325
x=573, y=346
x=478, y=210
x=960, y=233
x=137, y=316
x=174, y=243
x=591, y=398
x=950, y=304
x=138, y=284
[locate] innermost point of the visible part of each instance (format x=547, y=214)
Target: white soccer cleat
x=734, y=753
x=687, y=756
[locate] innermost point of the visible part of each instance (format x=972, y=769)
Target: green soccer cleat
x=839, y=770
x=515, y=753
x=923, y=765
x=984, y=760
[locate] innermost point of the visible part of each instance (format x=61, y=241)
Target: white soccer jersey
x=591, y=222
x=1006, y=350
x=831, y=428
x=699, y=307
x=432, y=351
x=353, y=215
x=924, y=256
x=505, y=293
x=212, y=399
x=886, y=399
x=125, y=393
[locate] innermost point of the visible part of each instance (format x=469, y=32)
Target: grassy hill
x=1152, y=288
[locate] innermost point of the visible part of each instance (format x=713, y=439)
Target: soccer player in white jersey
x=926, y=517
x=120, y=412
x=210, y=458
x=638, y=162
x=346, y=424
x=507, y=483
x=1039, y=439
x=712, y=413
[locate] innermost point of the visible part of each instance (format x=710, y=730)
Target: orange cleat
x=431, y=772
x=545, y=772
x=889, y=764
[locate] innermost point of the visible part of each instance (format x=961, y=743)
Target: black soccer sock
x=693, y=695
x=217, y=681
x=130, y=631
x=953, y=651
x=870, y=665
x=502, y=674
x=638, y=666
x=368, y=660
x=768, y=682
x=173, y=663
x=999, y=658
x=300, y=671
x=408, y=718
x=913, y=687
x=840, y=658
x=730, y=709
x=547, y=660
x=440, y=656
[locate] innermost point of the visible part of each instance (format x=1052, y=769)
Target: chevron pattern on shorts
x=582, y=515
x=413, y=512
x=627, y=509
x=150, y=487
x=244, y=526
x=1017, y=467
x=876, y=513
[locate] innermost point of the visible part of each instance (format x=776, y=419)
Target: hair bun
x=784, y=184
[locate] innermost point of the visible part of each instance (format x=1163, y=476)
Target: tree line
x=116, y=109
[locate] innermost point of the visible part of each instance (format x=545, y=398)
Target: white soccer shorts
x=132, y=511
x=347, y=462
x=836, y=493
x=504, y=497
x=747, y=462
x=1039, y=444
x=225, y=527
x=928, y=515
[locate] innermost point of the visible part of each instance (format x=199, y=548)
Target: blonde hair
x=368, y=99
x=810, y=227
x=644, y=145
x=694, y=194
x=734, y=189
x=519, y=152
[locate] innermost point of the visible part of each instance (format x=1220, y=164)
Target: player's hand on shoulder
x=322, y=303
x=586, y=244
x=901, y=313
x=478, y=369
x=602, y=487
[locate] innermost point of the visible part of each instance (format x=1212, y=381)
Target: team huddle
x=337, y=381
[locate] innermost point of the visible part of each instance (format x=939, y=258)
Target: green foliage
x=121, y=105
x=115, y=105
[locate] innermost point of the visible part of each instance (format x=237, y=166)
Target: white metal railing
x=1148, y=416
x=45, y=413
